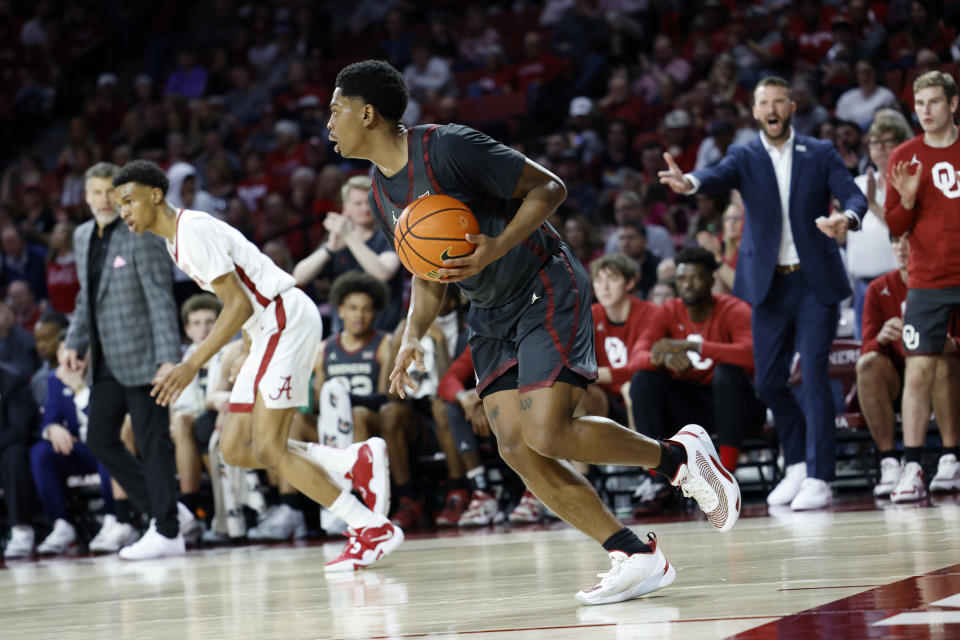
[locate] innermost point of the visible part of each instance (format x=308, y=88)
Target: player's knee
x=948, y=370
x=267, y=453
x=181, y=427
x=512, y=448
x=548, y=442
x=232, y=447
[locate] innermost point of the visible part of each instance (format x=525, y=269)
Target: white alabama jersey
x=206, y=248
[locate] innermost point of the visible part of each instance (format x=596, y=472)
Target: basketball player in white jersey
x=285, y=330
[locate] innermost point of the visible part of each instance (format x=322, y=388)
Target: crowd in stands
x=230, y=98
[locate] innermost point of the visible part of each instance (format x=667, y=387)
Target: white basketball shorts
x=285, y=341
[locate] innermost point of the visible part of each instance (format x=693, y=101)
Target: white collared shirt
x=782, y=160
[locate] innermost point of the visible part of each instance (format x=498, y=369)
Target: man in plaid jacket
x=127, y=318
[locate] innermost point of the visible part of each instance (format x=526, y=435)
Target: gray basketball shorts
x=931, y=314
x=542, y=333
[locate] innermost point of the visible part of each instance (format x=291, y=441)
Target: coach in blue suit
x=790, y=271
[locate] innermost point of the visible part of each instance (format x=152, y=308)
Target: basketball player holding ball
x=530, y=321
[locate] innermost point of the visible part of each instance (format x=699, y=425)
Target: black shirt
x=99, y=247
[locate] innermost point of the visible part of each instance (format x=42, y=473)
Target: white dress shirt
x=869, y=251
x=782, y=160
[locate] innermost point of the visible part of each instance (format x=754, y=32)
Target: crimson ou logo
x=911, y=338
x=945, y=179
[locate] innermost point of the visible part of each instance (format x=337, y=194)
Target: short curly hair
x=697, y=255
x=142, y=172
x=359, y=282
x=377, y=83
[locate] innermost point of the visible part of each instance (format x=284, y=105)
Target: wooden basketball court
x=856, y=571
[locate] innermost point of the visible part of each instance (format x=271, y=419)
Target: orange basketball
x=430, y=230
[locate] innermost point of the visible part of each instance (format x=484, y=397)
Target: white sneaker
x=704, y=479
x=281, y=523
x=814, y=494
x=60, y=539
x=366, y=546
x=947, y=478
x=912, y=486
x=480, y=512
x=153, y=545
x=21, y=542
x=890, y=470
x=788, y=487
x=630, y=576
x=528, y=511
x=190, y=528
x=113, y=535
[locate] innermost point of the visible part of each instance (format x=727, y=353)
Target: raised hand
x=907, y=184
x=410, y=351
x=673, y=176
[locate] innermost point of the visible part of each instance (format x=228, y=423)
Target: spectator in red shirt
x=620, y=103
x=286, y=156
x=922, y=198
x=62, y=282
x=695, y=361
x=537, y=67
x=880, y=374
x=618, y=321
x=254, y=186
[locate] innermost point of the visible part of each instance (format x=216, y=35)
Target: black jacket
x=19, y=414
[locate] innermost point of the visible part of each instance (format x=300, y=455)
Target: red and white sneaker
x=481, y=511
x=704, y=479
x=366, y=546
x=631, y=576
x=370, y=475
x=528, y=511
x=453, y=507
x=912, y=486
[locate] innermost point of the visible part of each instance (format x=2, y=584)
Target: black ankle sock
x=892, y=453
x=121, y=509
x=404, y=490
x=954, y=450
x=191, y=501
x=912, y=454
x=626, y=541
x=458, y=484
x=672, y=455
x=292, y=500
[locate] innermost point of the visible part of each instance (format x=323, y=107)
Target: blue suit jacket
x=817, y=172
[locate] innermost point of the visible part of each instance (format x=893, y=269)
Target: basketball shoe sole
x=366, y=547
x=703, y=478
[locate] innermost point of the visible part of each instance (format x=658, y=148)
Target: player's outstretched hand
x=167, y=386
x=832, y=226
x=486, y=251
x=673, y=177
x=906, y=183
x=410, y=351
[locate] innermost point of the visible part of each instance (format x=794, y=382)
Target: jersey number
x=359, y=385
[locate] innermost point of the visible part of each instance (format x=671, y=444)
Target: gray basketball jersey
x=359, y=367
x=482, y=173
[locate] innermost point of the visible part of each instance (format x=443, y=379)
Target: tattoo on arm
x=494, y=414
x=525, y=403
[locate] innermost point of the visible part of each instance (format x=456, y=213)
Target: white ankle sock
x=336, y=461
x=354, y=513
